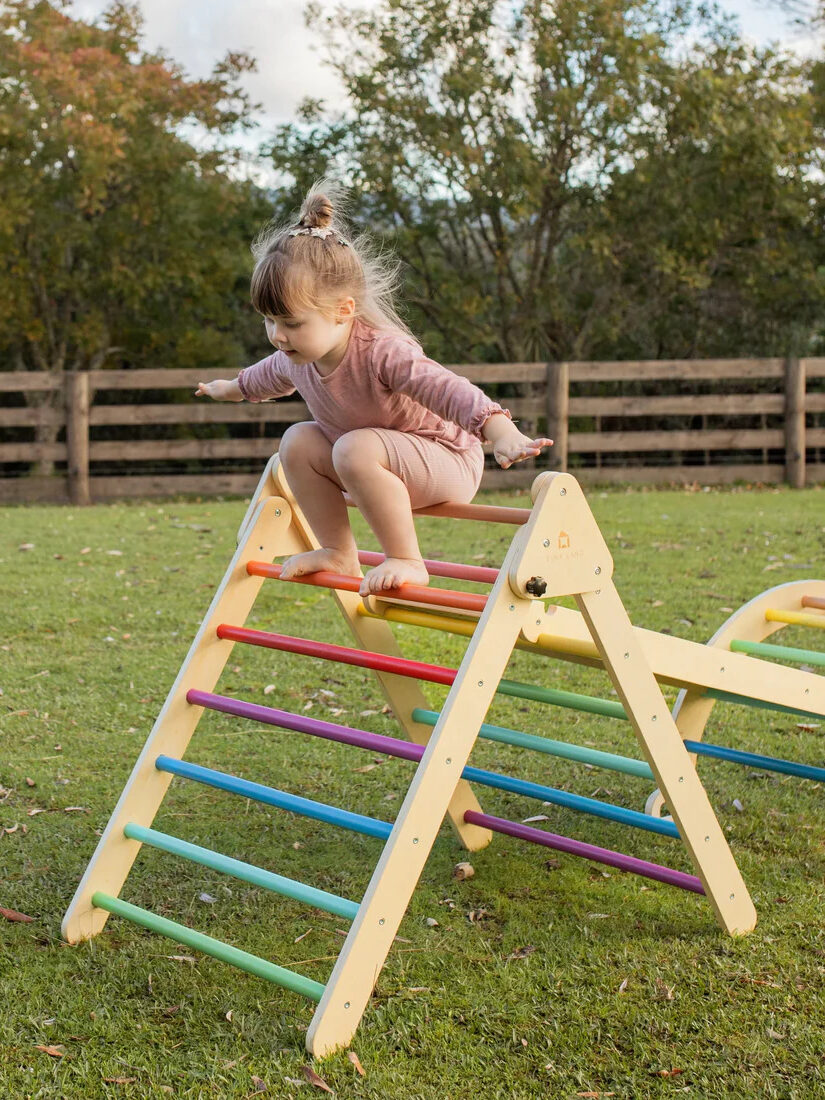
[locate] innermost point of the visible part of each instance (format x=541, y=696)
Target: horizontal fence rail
x=104, y=434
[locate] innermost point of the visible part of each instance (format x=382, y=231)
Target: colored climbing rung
x=756, y=760
x=271, y=796
x=814, y=601
x=262, y=968
x=401, y=666
x=391, y=746
x=778, y=652
x=247, y=872
x=484, y=574
x=486, y=513
x=417, y=593
x=587, y=851
x=796, y=618
x=564, y=749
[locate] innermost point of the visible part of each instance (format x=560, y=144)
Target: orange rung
x=416, y=593
x=814, y=601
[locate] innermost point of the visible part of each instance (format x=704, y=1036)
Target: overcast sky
x=197, y=33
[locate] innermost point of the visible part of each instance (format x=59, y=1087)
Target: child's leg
x=306, y=455
x=362, y=464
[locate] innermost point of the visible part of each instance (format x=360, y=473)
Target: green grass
x=543, y=978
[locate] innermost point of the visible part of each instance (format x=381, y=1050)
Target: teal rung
x=564, y=749
x=779, y=652
x=248, y=872
x=198, y=941
x=760, y=704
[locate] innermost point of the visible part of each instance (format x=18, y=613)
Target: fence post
x=77, y=400
x=558, y=403
x=795, y=422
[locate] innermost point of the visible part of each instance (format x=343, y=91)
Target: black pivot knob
x=536, y=586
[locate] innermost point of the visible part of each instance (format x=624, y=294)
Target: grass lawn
x=543, y=977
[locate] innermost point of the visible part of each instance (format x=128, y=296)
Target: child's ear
x=346, y=310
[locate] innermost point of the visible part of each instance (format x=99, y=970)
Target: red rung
x=814, y=601
x=415, y=593
x=457, y=570
x=381, y=662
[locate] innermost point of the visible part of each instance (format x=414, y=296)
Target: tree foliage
x=122, y=229
x=591, y=178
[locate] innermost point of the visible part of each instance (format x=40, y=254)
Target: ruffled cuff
x=476, y=426
x=245, y=394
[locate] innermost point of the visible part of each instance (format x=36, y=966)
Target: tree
x=122, y=229
x=524, y=162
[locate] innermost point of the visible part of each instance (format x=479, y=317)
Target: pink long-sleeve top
x=383, y=381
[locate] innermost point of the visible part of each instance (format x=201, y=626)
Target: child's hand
x=220, y=390
x=518, y=447
x=509, y=444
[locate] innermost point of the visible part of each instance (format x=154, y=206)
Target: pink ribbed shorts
x=431, y=472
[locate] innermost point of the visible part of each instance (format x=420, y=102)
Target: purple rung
x=588, y=851
x=375, y=742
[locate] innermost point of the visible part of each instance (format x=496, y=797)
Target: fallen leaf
x=182, y=959
x=53, y=1052
x=314, y=1079
x=302, y=936
x=366, y=768
x=26, y=546
x=522, y=952
x=12, y=914
x=260, y=1086
x=807, y=727
x=538, y=817
x=663, y=990
x=463, y=870
x=269, y=689
x=668, y=1072
x=208, y=898
x=120, y=1080
x=623, y=986
x=431, y=922
x=353, y=1057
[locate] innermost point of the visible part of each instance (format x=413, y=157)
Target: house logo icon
x=564, y=540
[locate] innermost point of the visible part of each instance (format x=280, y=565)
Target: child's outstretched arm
x=220, y=390
x=509, y=444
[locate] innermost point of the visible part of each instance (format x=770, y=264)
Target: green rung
x=780, y=652
x=564, y=749
x=248, y=872
x=209, y=946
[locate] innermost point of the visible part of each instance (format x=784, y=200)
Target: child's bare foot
x=392, y=573
x=315, y=561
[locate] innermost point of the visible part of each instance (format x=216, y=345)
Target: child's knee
x=358, y=452
x=301, y=440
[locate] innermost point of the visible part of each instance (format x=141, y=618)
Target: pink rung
x=457, y=570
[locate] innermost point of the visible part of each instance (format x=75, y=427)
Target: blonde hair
x=299, y=269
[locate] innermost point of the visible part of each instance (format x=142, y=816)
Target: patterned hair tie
x=315, y=231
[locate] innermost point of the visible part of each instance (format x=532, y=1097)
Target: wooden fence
x=124, y=433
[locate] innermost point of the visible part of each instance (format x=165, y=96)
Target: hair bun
x=316, y=212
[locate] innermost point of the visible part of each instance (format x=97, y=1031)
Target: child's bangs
x=280, y=287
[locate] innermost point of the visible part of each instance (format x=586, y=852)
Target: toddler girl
x=391, y=427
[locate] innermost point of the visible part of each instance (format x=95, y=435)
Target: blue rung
x=306, y=807
x=578, y=802
x=757, y=760
x=247, y=872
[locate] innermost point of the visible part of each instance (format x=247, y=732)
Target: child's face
x=310, y=337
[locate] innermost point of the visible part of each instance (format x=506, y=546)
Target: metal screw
x=563, y=493
x=707, y=839
x=722, y=669
x=653, y=718
x=598, y=570
x=547, y=542
x=277, y=511
x=626, y=656
x=449, y=760
x=732, y=896
x=512, y=607
x=415, y=840
x=681, y=779
x=346, y=1004
x=481, y=683
x=381, y=921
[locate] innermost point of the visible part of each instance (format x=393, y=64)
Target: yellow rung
x=797, y=618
